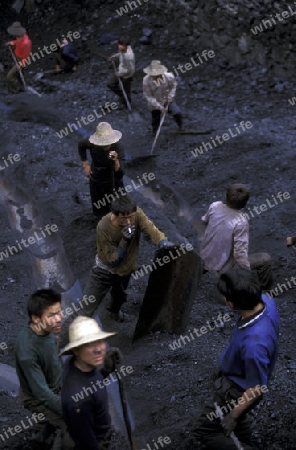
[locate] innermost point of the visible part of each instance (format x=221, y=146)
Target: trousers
x=208, y=429
x=63, y=440
x=113, y=85
x=173, y=109
x=11, y=78
x=98, y=285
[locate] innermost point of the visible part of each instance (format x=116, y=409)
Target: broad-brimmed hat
x=105, y=135
x=16, y=29
x=155, y=68
x=84, y=330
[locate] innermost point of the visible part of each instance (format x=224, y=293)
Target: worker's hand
x=8, y=43
x=228, y=423
x=117, y=74
x=289, y=241
x=166, y=244
x=112, y=358
x=113, y=155
x=170, y=100
x=128, y=232
x=87, y=170
x=162, y=109
x=114, y=56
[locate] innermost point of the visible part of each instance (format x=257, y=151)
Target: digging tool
x=159, y=128
x=27, y=88
x=232, y=435
x=132, y=115
x=125, y=412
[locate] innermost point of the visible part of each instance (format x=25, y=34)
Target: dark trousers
x=173, y=109
x=11, y=77
x=100, y=199
x=103, y=444
x=113, y=84
x=208, y=429
x=63, y=440
x=98, y=284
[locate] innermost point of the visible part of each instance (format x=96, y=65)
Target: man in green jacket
x=37, y=364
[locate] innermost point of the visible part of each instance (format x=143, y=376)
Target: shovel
x=159, y=128
x=27, y=88
x=132, y=442
x=133, y=116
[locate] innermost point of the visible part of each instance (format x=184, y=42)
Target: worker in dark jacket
x=66, y=58
x=106, y=170
x=85, y=377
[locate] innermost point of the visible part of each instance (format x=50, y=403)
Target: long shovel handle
x=122, y=88
x=232, y=435
x=17, y=64
x=159, y=128
x=125, y=414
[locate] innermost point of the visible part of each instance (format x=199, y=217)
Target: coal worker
x=37, y=364
x=118, y=240
x=22, y=49
x=65, y=57
x=85, y=377
x=125, y=70
x=159, y=88
x=106, y=170
x=246, y=364
x=226, y=239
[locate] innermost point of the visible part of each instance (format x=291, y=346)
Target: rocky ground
x=168, y=387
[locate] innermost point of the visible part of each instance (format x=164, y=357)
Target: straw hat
x=155, y=68
x=16, y=29
x=82, y=331
x=105, y=135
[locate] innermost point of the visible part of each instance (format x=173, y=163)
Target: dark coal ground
x=168, y=388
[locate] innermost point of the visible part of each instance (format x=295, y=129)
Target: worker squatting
x=23, y=426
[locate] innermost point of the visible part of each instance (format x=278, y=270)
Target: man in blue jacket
x=246, y=364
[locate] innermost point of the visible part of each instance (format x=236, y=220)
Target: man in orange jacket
x=23, y=46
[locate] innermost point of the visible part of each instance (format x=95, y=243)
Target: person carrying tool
x=22, y=50
x=246, y=364
x=106, y=170
x=226, y=239
x=118, y=241
x=65, y=57
x=37, y=364
x=84, y=396
x=159, y=88
x=125, y=71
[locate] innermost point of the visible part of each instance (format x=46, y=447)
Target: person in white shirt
x=126, y=70
x=159, y=89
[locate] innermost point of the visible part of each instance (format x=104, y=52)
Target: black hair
x=241, y=287
x=124, y=40
x=41, y=300
x=237, y=196
x=123, y=205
